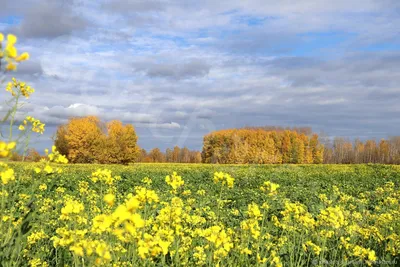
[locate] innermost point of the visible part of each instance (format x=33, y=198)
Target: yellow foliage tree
x=83, y=136
x=88, y=140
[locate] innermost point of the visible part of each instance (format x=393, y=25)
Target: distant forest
x=275, y=145
x=88, y=140
x=294, y=145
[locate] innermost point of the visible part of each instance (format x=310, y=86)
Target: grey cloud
x=50, y=19
x=129, y=6
x=30, y=68
x=186, y=70
x=256, y=41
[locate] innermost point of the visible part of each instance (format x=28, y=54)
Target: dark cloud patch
x=129, y=6
x=384, y=96
x=50, y=19
x=252, y=41
x=30, y=68
x=191, y=69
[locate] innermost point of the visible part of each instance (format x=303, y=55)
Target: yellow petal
x=24, y=56
x=11, y=39
x=11, y=67
x=11, y=51
x=1, y=37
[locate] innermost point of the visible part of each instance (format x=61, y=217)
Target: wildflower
x=72, y=207
x=200, y=256
x=48, y=169
x=103, y=176
x=224, y=178
x=201, y=192
x=254, y=211
x=24, y=56
x=270, y=188
x=109, y=199
x=147, y=181
x=18, y=87
x=36, y=236
x=316, y=249
x=5, y=149
x=246, y=251
x=43, y=187
x=7, y=176
x=332, y=216
x=261, y=260
x=175, y=181
x=275, y=259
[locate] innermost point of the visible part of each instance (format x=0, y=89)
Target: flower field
x=199, y=215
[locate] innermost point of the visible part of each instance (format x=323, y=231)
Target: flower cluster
x=36, y=125
x=6, y=148
x=10, y=52
x=138, y=222
x=224, y=179
x=175, y=181
x=270, y=188
x=18, y=87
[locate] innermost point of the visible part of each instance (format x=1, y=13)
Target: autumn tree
x=176, y=154
x=60, y=141
x=84, y=137
x=156, y=155
x=262, y=146
x=119, y=145
x=184, y=155
x=88, y=140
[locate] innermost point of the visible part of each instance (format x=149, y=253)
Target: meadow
x=58, y=214
x=200, y=215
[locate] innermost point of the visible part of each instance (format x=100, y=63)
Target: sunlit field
x=202, y=215
x=104, y=94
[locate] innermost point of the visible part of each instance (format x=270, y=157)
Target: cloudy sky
x=179, y=69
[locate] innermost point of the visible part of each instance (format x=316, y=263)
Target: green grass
x=298, y=182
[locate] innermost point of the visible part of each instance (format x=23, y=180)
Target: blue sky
x=177, y=70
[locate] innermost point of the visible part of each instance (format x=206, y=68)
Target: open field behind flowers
x=200, y=215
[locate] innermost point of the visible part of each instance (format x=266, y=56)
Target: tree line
x=343, y=150
x=89, y=140
x=266, y=145
x=176, y=154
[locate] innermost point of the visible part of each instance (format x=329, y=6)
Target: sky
x=178, y=70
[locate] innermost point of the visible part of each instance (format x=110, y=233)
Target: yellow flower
x=270, y=188
x=21, y=127
x=24, y=56
x=11, y=39
x=201, y=192
x=11, y=66
x=224, y=178
x=5, y=149
x=246, y=251
x=43, y=187
x=11, y=51
x=1, y=37
x=174, y=180
x=48, y=169
x=254, y=212
x=7, y=176
x=109, y=199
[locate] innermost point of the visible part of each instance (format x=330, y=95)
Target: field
x=204, y=215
